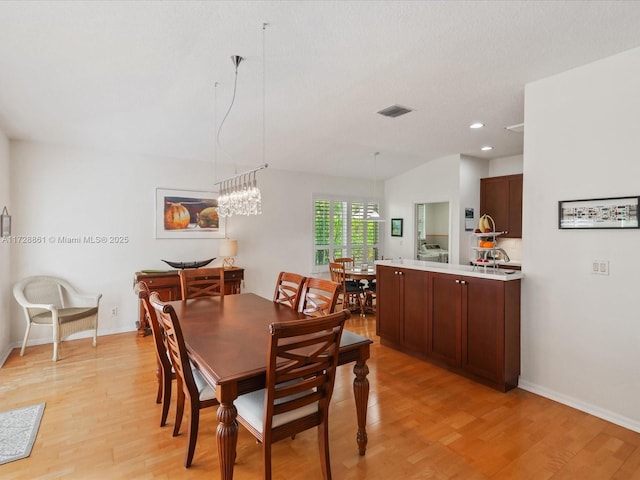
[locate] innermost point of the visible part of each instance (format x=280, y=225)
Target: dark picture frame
x=396, y=227
x=5, y=223
x=599, y=213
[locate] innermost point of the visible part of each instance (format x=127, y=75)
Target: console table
x=167, y=284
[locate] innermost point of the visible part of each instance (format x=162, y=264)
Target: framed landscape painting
x=396, y=227
x=187, y=214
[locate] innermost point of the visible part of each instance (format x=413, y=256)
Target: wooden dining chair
x=202, y=282
x=301, y=368
x=369, y=299
x=350, y=292
x=318, y=297
x=346, y=262
x=191, y=385
x=164, y=370
x=289, y=289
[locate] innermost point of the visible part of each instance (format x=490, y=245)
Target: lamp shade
x=228, y=247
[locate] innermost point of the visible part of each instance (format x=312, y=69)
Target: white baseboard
x=578, y=404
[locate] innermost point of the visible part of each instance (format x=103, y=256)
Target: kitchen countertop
x=467, y=270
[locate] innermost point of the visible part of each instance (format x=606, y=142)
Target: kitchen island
x=459, y=317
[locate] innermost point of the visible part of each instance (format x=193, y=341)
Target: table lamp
x=228, y=250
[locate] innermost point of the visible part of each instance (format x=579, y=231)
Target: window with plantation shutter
x=342, y=229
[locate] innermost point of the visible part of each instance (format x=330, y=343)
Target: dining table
x=227, y=339
x=359, y=273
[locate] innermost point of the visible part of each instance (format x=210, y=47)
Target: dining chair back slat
x=319, y=296
x=202, y=282
x=289, y=289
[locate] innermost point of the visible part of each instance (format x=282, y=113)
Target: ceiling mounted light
x=476, y=125
x=486, y=148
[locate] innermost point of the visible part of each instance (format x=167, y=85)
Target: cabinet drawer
x=233, y=275
x=161, y=282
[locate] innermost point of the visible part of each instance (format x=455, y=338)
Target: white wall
x=471, y=171
x=580, y=331
x=67, y=191
x=5, y=251
x=506, y=165
x=435, y=181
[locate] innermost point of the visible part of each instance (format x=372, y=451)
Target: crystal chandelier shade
x=240, y=195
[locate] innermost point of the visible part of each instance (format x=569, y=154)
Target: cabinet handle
x=463, y=282
x=457, y=281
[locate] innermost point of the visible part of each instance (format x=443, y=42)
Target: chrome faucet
x=504, y=254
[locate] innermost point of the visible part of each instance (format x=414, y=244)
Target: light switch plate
x=600, y=267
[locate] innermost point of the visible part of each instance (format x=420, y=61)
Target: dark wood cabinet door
x=414, y=325
x=494, y=201
x=444, y=334
x=388, y=303
x=515, y=207
x=483, y=330
x=501, y=198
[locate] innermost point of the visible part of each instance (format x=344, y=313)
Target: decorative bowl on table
x=183, y=265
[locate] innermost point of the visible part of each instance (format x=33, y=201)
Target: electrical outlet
x=114, y=311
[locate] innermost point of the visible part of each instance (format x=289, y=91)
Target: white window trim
x=315, y=269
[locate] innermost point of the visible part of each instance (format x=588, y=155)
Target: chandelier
x=239, y=194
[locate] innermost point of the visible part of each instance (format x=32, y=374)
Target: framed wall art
x=612, y=213
x=187, y=214
x=396, y=227
x=5, y=220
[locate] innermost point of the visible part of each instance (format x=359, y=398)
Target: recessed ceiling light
x=486, y=148
x=476, y=125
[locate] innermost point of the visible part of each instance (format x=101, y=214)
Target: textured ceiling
x=139, y=76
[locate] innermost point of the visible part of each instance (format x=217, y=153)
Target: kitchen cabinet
x=401, y=311
x=474, y=327
x=444, y=319
x=501, y=198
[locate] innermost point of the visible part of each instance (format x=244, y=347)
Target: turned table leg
x=361, y=394
x=227, y=434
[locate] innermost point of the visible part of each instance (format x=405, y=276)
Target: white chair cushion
x=205, y=390
x=251, y=407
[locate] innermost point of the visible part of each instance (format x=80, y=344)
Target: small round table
x=369, y=274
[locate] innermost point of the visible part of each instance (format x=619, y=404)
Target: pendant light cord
x=215, y=127
x=264, y=92
x=233, y=98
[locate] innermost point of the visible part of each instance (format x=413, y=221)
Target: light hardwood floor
x=101, y=422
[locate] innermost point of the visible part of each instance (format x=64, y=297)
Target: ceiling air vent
x=394, y=111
